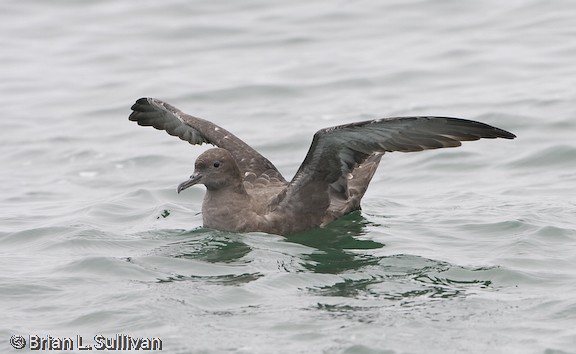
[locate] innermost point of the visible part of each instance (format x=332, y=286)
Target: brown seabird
x=245, y=192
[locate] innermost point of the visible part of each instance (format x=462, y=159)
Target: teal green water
x=467, y=250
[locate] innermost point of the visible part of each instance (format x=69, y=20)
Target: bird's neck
x=224, y=208
x=235, y=190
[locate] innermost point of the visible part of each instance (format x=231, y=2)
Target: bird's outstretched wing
x=197, y=131
x=336, y=151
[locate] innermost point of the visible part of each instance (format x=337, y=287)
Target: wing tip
x=142, y=101
x=505, y=134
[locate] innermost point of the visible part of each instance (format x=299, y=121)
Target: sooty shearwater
x=245, y=192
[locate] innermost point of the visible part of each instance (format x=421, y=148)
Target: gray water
x=467, y=250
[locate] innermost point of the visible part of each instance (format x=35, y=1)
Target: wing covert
x=163, y=116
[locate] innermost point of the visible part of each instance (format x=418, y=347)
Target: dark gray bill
x=194, y=179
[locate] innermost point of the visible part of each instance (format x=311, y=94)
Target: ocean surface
x=466, y=250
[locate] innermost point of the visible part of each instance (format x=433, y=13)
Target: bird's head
x=216, y=169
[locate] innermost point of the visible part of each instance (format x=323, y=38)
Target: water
x=460, y=250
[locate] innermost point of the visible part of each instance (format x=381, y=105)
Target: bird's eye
x=216, y=164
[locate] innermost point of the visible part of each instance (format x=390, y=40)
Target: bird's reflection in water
x=335, y=245
x=211, y=246
x=332, y=246
x=343, y=248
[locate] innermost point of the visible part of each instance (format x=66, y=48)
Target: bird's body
x=245, y=192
